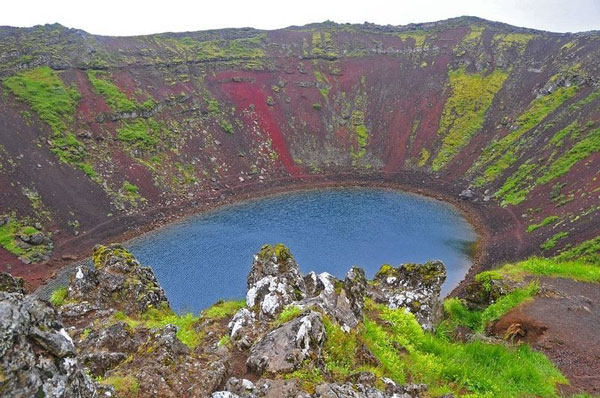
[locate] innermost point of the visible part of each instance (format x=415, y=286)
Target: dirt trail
x=563, y=322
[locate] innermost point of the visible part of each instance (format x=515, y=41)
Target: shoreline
x=477, y=214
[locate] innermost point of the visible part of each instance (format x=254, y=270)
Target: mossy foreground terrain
x=311, y=335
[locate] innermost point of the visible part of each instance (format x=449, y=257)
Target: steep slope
x=102, y=134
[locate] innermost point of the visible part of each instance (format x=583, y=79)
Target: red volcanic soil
x=563, y=321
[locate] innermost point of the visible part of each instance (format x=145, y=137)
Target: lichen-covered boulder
x=37, y=356
x=117, y=281
x=284, y=349
x=274, y=281
x=416, y=287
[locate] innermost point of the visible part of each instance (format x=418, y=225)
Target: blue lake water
x=207, y=257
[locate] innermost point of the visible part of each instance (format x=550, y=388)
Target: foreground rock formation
x=114, y=334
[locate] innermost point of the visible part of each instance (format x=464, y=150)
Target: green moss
x=59, y=295
x=9, y=238
x=125, y=385
x=323, y=83
x=323, y=45
x=223, y=309
x=423, y=157
x=316, y=106
x=579, y=151
x=543, y=223
x=138, y=134
x=417, y=36
x=361, y=133
x=186, y=324
x=289, y=312
x=501, y=153
x=114, y=97
x=48, y=96
x=465, y=110
x=245, y=48
x=279, y=251
x=551, y=242
x=517, y=40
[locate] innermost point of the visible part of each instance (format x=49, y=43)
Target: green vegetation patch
x=502, y=153
x=244, y=48
x=139, y=134
x=418, y=36
x=474, y=369
x=48, y=96
x=223, y=309
x=516, y=40
x=546, y=221
x=115, y=98
x=477, y=320
x=59, y=296
x=125, y=385
x=290, y=312
x=588, y=252
x=10, y=233
x=565, y=265
x=55, y=104
x=465, y=110
x=551, y=242
x=579, y=151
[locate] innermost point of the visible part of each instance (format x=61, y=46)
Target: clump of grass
x=565, y=265
x=161, y=317
x=543, y=223
x=588, y=252
x=289, y=312
x=551, y=242
x=223, y=309
x=186, y=331
x=126, y=385
x=59, y=296
x=138, y=134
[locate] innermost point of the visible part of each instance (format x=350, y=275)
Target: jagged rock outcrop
x=119, y=315
x=119, y=328
x=413, y=286
x=344, y=301
x=274, y=281
x=37, y=356
x=284, y=349
x=117, y=281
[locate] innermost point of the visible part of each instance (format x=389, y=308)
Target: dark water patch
x=207, y=257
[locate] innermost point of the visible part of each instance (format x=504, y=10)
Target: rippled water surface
x=208, y=257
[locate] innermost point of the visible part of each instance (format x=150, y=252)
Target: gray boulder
x=344, y=301
x=416, y=287
x=283, y=349
x=37, y=356
x=274, y=281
